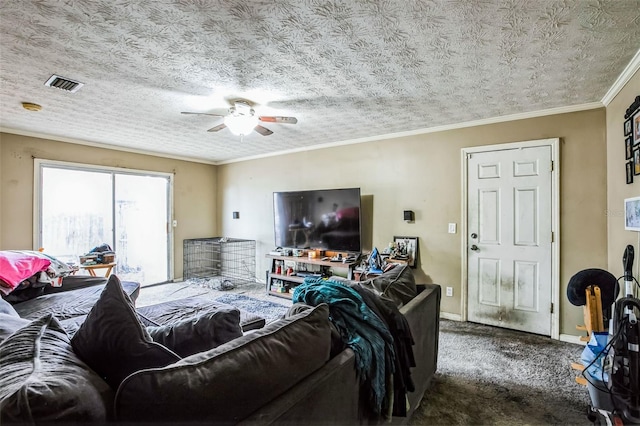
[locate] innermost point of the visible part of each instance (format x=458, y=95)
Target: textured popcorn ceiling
x=345, y=69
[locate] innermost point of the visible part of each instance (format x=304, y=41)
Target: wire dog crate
x=229, y=259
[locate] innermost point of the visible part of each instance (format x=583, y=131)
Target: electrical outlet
x=452, y=228
x=449, y=291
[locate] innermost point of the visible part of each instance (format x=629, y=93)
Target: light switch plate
x=452, y=228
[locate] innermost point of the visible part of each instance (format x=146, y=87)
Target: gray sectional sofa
x=113, y=369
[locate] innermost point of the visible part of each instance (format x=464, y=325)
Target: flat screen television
x=327, y=219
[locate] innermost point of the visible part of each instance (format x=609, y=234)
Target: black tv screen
x=326, y=219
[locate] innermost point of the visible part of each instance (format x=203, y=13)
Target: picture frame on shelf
x=629, y=172
x=628, y=128
x=636, y=161
x=635, y=125
x=632, y=214
x=407, y=246
x=628, y=148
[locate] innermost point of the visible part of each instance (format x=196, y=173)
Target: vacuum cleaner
x=623, y=359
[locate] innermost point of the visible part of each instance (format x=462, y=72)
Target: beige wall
x=617, y=189
x=423, y=173
x=420, y=173
x=194, y=190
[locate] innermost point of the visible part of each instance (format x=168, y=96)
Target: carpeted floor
x=493, y=376
x=178, y=290
x=267, y=309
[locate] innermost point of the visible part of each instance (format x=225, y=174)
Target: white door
x=509, y=227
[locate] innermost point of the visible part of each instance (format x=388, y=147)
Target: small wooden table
x=91, y=269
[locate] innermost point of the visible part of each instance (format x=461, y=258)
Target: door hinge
x=552, y=165
x=551, y=308
x=553, y=237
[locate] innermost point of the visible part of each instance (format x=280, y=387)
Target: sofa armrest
x=330, y=395
x=423, y=315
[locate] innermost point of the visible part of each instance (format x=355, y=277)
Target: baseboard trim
x=570, y=338
x=449, y=316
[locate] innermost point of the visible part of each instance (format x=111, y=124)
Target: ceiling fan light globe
x=241, y=124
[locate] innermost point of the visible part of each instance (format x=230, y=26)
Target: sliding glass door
x=83, y=207
x=141, y=217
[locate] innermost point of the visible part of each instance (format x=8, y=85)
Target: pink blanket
x=17, y=266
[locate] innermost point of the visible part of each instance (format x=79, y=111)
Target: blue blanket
x=360, y=328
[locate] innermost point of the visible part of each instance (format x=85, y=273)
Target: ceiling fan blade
x=263, y=130
x=217, y=128
x=202, y=113
x=278, y=119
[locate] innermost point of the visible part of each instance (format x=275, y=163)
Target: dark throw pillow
x=43, y=381
x=199, y=333
x=112, y=340
x=398, y=284
x=224, y=385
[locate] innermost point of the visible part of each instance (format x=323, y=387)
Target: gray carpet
x=170, y=291
x=494, y=376
x=270, y=311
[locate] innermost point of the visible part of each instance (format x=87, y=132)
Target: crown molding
x=103, y=146
x=435, y=129
x=622, y=79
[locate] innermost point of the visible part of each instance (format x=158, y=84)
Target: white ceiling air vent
x=63, y=83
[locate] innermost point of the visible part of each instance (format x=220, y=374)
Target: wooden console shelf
x=289, y=282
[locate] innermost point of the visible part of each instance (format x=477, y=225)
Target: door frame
x=554, y=143
x=38, y=163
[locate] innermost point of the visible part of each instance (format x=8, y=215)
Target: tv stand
x=288, y=283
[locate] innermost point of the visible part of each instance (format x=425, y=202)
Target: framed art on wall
x=635, y=124
x=632, y=214
x=632, y=140
x=406, y=246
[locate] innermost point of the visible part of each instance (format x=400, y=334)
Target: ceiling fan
x=241, y=120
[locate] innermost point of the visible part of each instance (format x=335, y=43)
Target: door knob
x=474, y=247
x=474, y=235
